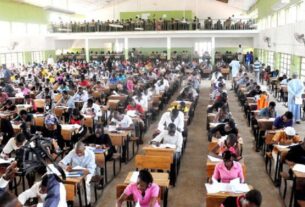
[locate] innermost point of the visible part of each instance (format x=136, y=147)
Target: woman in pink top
x=228, y=169
x=144, y=191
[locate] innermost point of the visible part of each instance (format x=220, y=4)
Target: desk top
x=150, y=147
x=161, y=179
x=226, y=194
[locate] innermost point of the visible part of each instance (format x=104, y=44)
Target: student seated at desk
x=228, y=169
x=6, y=130
x=133, y=106
x=144, y=191
x=25, y=118
x=286, y=137
x=268, y=112
x=77, y=118
x=66, y=101
x=91, y=108
x=9, y=106
x=3, y=97
x=81, y=95
x=122, y=121
x=231, y=143
x=223, y=115
x=49, y=105
x=170, y=136
x=39, y=191
x=252, y=199
x=82, y=157
x=220, y=102
x=175, y=116
x=223, y=129
x=13, y=144
x=102, y=139
x=283, y=121
x=52, y=129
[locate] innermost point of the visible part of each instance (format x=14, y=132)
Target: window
x=5, y=28
x=33, y=28
x=11, y=58
x=301, y=11
x=2, y=58
x=281, y=17
x=285, y=64
x=274, y=20
x=202, y=47
x=18, y=28
x=270, y=60
x=38, y=56
x=303, y=69
x=291, y=16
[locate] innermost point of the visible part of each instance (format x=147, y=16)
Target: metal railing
x=153, y=25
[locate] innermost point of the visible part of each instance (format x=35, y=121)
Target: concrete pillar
x=87, y=50
x=213, y=50
x=126, y=48
x=168, y=44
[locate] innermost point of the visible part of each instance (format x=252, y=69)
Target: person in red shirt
x=132, y=106
x=83, y=82
x=77, y=118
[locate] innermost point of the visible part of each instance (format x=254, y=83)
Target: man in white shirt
x=235, y=66
x=82, y=157
x=122, y=121
x=90, y=108
x=257, y=67
x=175, y=116
x=81, y=95
x=170, y=136
x=13, y=144
x=40, y=190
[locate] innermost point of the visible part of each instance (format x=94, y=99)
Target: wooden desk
x=113, y=104
x=118, y=97
x=150, y=150
x=88, y=121
x=38, y=120
x=26, y=107
x=72, y=185
x=68, y=130
x=216, y=199
x=296, y=176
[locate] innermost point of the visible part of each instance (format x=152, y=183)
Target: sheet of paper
x=211, y=188
x=8, y=161
x=299, y=168
x=235, y=181
x=172, y=146
x=78, y=168
x=227, y=187
x=134, y=177
x=214, y=159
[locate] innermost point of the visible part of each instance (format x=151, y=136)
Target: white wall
x=200, y=8
x=233, y=42
x=282, y=39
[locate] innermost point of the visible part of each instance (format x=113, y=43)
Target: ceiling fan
x=267, y=40
x=300, y=38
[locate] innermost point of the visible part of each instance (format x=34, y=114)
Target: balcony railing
x=153, y=25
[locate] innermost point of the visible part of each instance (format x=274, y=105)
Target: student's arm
x=122, y=198
x=91, y=165
x=154, y=196
x=29, y=193
x=241, y=173
x=158, y=138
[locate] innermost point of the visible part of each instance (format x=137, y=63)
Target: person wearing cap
x=286, y=137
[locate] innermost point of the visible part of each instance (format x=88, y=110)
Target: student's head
x=171, y=129
x=290, y=132
x=145, y=179
x=231, y=140
x=23, y=114
x=118, y=116
x=90, y=102
x=65, y=94
x=287, y=116
x=75, y=113
x=182, y=104
x=9, y=103
x=80, y=149
x=99, y=130
x=272, y=105
x=48, y=99
x=43, y=185
x=230, y=124
x=20, y=138
x=174, y=114
x=228, y=158
x=252, y=199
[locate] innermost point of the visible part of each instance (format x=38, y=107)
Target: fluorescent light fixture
x=55, y=9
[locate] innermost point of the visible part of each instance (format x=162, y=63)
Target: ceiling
x=77, y=6
x=242, y=4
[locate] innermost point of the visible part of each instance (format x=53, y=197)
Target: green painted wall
x=27, y=56
x=264, y=7
x=50, y=53
x=19, y=12
x=295, y=65
x=158, y=14
x=277, y=60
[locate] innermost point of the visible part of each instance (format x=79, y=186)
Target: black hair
x=44, y=181
x=75, y=112
x=227, y=155
x=20, y=138
x=90, y=101
x=255, y=197
x=23, y=112
x=9, y=102
x=171, y=126
x=231, y=123
x=175, y=112
x=272, y=104
x=145, y=176
x=288, y=114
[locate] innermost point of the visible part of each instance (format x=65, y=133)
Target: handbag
x=298, y=100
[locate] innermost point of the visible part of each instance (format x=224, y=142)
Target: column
x=213, y=50
x=168, y=44
x=87, y=50
x=126, y=48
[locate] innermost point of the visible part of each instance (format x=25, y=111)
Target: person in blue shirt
x=113, y=79
x=268, y=112
x=283, y=121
